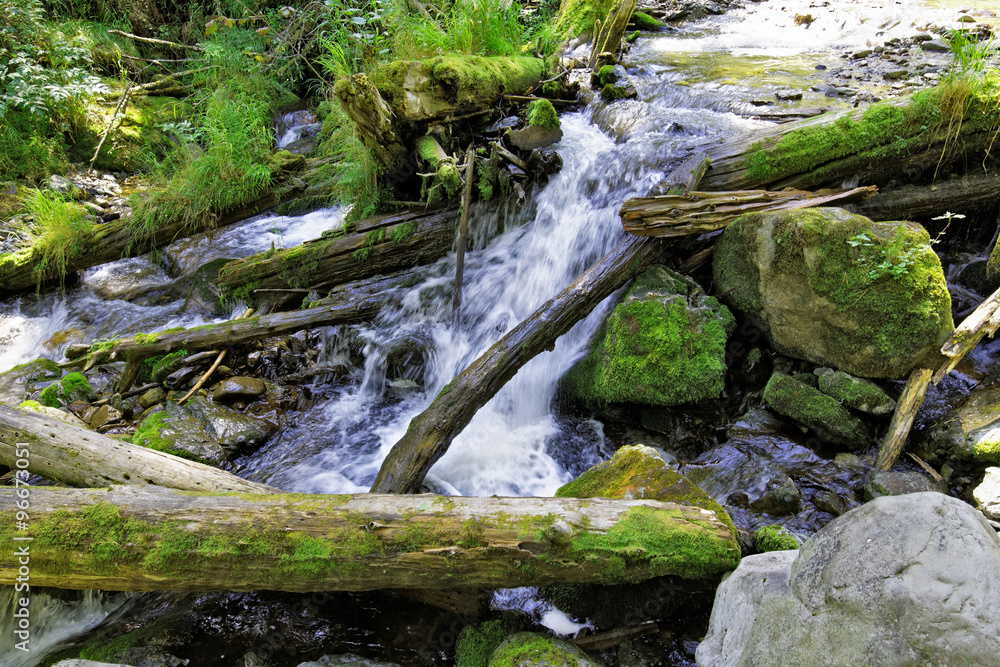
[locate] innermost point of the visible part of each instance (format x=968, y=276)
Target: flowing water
x=693, y=85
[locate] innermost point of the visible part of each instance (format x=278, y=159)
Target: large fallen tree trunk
x=701, y=212
x=112, y=241
x=375, y=246
x=430, y=433
x=912, y=202
x=357, y=302
x=147, y=539
x=877, y=144
x=80, y=457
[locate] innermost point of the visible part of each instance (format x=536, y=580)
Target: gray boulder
x=987, y=494
x=903, y=580
x=837, y=289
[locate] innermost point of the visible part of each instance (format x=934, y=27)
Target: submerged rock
x=837, y=289
x=815, y=410
x=239, y=387
x=530, y=649
x=664, y=344
x=346, y=660
x=902, y=580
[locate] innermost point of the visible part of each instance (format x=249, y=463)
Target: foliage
x=355, y=35
x=61, y=229
x=473, y=27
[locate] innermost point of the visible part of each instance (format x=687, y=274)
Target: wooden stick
x=531, y=98
x=150, y=40
x=510, y=157
x=463, y=232
x=204, y=378
x=935, y=475
x=984, y=320
x=902, y=419
x=114, y=116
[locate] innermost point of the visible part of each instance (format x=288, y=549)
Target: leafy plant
x=474, y=27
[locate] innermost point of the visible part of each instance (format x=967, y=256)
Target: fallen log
x=902, y=419
x=876, y=144
x=376, y=246
x=81, y=457
x=112, y=241
x=150, y=539
x=912, y=202
x=701, y=212
x=358, y=302
x=983, y=321
x=431, y=432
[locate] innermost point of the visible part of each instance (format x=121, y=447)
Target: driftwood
x=114, y=240
x=376, y=246
x=701, y=212
x=158, y=42
x=80, y=457
x=345, y=307
x=984, y=321
x=902, y=419
x=788, y=155
x=431, y=432
x=147, y=539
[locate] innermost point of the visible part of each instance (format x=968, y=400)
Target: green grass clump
x=472, y=27
x=61, y=232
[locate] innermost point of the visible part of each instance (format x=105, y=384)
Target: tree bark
x=609, y=36
x=114, y=240
x=148, y=539
x=983, y=321
x=925, y=201
x=80, y=457
x=432, y=431
x=373, y=118
x=357, y=302
x=825, y=150
x=701, y=212
x=375, y=246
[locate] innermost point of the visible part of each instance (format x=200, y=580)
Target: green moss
x=148, y=435
x=576, y=18
x=606, y=75
x=610, y=93
x=664, y=541
x=774, y=538
x=542, y=114
x=145, y=338
x=644, y=21
x=656, y=349
x=110, y=651
x=814, y=409
x=529, y=648
x=73, y=387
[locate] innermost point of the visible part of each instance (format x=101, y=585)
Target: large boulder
x=987, y=494
x=902, y=580
x=664, y=344
x=837, y=289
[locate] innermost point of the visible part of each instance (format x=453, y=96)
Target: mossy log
x=112, y=241
x=80, y=457
x=373, y=118
x=150, y=539
x=883, y=142
x=357, y=302
x=375, y=246
x=701, y=212
x=609, y=38
x=431, y=432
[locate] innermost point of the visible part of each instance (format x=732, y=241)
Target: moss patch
x=643, y=21
x=541, y=113
x=814, y=409
x=73, y=387
x=529, y=648
x=774, y=538
x=658, y=347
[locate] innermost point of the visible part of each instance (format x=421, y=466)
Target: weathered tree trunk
x=114, y=240
x=612, y=31
x=81, y=457
x=148, y=539
x=373, y=117
x=876, y=145
x=430, y=433
x=906, y=410
x=701, y=212
x=924, y=201
x=358, y=302
x=375, y=246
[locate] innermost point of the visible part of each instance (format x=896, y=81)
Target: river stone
x=16, y=383
x=902, y=580
x=664, y=344
x=972, y=432
x=535, y=136
x=239, y=387
x=797, y=277
x=853, y=392
x=77, y=662
x=233, y=430
x=816, y=411
x=104, y=415
x=152, y=397
x=987, y=494
x=54, y=413
x=530, y=649
x=898, y=483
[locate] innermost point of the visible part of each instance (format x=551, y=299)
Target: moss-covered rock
x=837, y=289
x=530, y=649
x=664, y=344
x=774, y=538
x=478, y=642
x=815, y=410
x=970, y=433
x=542, y=114
x=900, y=483
x=16, y=383
x=643, y=21
x=419, y=90
x=65, y=417
x=856, y=393
x=72, y=387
